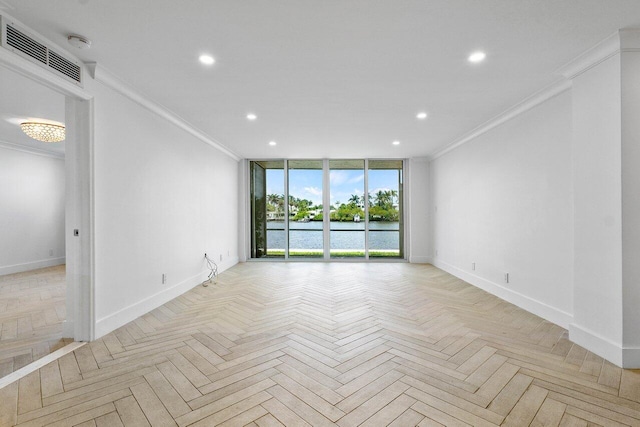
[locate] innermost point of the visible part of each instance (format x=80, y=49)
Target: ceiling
x=23, y=100
x=332, y=78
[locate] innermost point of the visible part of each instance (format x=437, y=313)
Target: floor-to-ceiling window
x=334, y=209
x=347, y=218
x=386, y=225
x=268, y=210
x=306, y=236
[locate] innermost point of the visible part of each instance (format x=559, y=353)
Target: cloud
x=339, y=177
x=315, y=191
x=355, y=179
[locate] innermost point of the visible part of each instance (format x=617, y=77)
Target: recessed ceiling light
x=251, y=116
x=476, y=57
x=422, y=115
x=396, y=142
x=207, y=59
x=272, y=143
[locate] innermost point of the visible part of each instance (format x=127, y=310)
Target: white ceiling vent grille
x=36, y=50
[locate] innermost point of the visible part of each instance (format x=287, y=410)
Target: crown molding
x=520, y=108
x=30, y=150
x=592, y=57
x=102, y=75
x=626, y=40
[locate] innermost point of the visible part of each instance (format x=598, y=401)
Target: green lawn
x=334, y=253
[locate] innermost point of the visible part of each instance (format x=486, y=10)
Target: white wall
x=419, y=211
x=630, y=92
x=598, y=205
x=32, y=207
x=503, y=201
x=162, y=199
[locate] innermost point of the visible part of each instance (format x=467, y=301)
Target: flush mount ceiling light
x=476, y=57
x=207, y=59
x=79, y=42
x=251, y=116
x=45, y=132
x=421, y=115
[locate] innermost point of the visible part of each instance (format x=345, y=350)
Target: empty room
x=310, y=213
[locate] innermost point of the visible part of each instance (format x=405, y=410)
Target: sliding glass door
x=347, y=219
x=386, y=225
x=268, y=236
x=306, y=237
x=334, y=209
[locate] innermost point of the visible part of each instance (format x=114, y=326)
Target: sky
x=307, y=184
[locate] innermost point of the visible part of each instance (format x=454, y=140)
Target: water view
x=344, y=235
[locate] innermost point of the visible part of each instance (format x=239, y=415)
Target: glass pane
x=305, y=208
x=385, y=208
x=347, y=208
x=268, y=238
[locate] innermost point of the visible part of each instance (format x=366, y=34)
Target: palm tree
x=354, y=199
x=273, y=199
x=381, y=198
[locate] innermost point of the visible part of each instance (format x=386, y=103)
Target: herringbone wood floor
x=32, y=309
x=329, y=343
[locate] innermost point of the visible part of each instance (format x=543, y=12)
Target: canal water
x=344, y=235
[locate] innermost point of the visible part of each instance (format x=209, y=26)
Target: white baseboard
x=596, y=343
x=32, y=265
x=536, y=307
x=625, y=357
x=421, y=260
x=140, y=308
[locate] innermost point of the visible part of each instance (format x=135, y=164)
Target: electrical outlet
x=506, y=277
x=473, y=266
x=164, y=278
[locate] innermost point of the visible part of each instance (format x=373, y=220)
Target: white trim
x=627, y=40
x=100, y=74
x=32, y=367
x=31, y=265
x=592, y=57
x=30, y=150
x=421, y=259
x=534, y=306
x=520, y=108
x=28, y=69
x=624, y=357
x=121, y=317
x=596, y=343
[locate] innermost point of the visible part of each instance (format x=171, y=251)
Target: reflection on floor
x=32, y=309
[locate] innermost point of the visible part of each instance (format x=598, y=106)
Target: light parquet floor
x=323, y=344
x=32, y=310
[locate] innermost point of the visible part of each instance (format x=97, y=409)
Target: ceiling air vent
x=37, y=51
x=26, y=45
